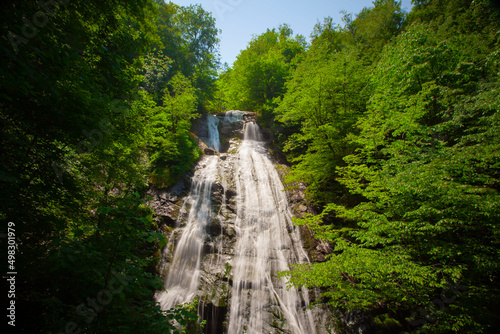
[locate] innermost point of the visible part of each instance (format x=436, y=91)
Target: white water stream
x=213, y=132
x=266, y=242
x=233, y=116
x=182, y=282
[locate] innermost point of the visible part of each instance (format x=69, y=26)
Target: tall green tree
x=189, y=38
x=426, y=172
x=324, y=98
x=173, y=151
x=81, y=83
x=374, y=27
x=259, y=74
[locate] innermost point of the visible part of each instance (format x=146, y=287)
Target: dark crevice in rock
x=214, y=316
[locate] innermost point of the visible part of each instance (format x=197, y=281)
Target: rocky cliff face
x=216, y=286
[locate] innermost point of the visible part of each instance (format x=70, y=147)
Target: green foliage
x=324, y=97
x=173, y=151
x=374, y=27
x=189, y=38
x=106, y=246
x=327, y=93
x=259, y=74
x=92, y=106
x=185, y=316
x=415, y=207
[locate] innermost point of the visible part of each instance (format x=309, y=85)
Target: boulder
x=209, y=151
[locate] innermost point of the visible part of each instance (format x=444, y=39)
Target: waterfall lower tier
x=183, y=277
x=234, y=234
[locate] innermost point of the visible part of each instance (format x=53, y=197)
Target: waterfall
x=267, y=242
x=182, y=281
x=213, y=132
x=238, y=221
x=233, y=116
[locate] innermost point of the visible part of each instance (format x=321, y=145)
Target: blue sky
x=239, y=20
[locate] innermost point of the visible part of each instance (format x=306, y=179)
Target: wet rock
x=232, y=127
x=209, y=151
x=302, y=208
x=214, y=228
x=230, y=194
x=217, y=194
x=199, y=126
x=208, y=248
x=357, y=322
x=214, y=316
x=324, y=248
x=232, y=130
x=167, y=203
x=167, y=219
x=229, y=232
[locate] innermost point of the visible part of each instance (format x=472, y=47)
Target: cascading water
x=213, y=132
x=232, y=116
x=267, y=242
x=234, y=244
x=182, y=281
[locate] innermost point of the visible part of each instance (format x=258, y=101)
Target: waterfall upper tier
x=233, y=116
x=213, y=132
x=211, y=128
